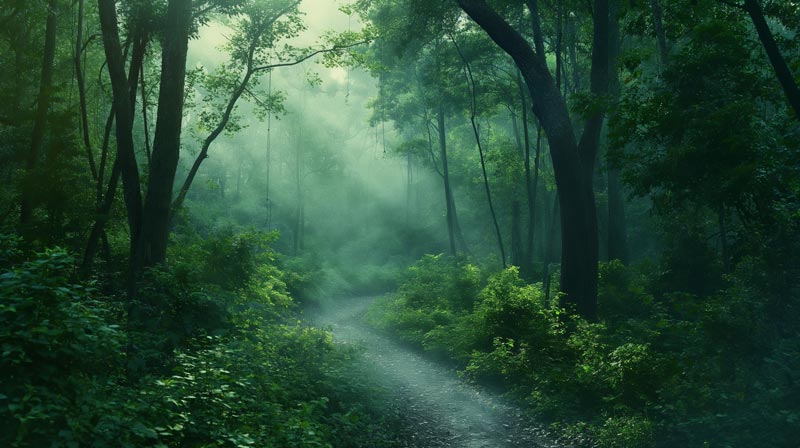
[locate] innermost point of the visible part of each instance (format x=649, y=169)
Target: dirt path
x=446, y=412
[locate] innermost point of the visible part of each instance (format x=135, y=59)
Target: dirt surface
x=443, y=411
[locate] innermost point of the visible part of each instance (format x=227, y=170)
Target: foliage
x=658, y=369
x=191, y=363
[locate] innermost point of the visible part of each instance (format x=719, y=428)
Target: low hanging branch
x=473, y=116
x=240, y=89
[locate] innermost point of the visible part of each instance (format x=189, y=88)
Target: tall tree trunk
x=782, y=70
x=658, y=26
x=123, y=109
x=573, y=161
x=516, y=247
x=167, y=139
x=298, y=217
x=476, y=132
x=81, y=81
x=617, y=225
x=531, y=185
x=409, y=186
x=548, y=251
x=40, y=118
x=105, y=200
x=448, y=198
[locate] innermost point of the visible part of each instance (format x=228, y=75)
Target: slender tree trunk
x=460, y=240
x=782, y=70
x=530, y=184
x=573, y=53
x=476, y=132
x=145, y=119
x=81, y=82
x=448, y=198
x=518, y=252
x=167, y=140
x=409, y=186
x=298, y=218
x=40, y=118
x=103, y=213
x=548, y=252
x=658, y=25
x=617, y=225
x=237, y=93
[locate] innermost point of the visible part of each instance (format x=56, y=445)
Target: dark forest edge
x=666, y=365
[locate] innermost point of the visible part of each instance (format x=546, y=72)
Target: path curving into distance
x=444, y=410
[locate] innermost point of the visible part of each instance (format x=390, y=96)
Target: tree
x=42, y=107
x=782, y=70
x=167, y=141
x=573, y=161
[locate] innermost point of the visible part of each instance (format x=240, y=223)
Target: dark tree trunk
x=106, y=200
x=517, y=251
x=298, y=217
x=409, y=186
x=40, y=118
x=782, y=70
x=573, y=162
x=167, y=139
x=549, y=247
x=617, y=225
x=448, y=197
x=145, y=117
x=658, y=26
x=81, y=82
x=126, y=156
x=476, y=132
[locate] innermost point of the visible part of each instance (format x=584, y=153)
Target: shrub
x=57, y=345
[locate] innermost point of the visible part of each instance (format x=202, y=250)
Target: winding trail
x=445, y=411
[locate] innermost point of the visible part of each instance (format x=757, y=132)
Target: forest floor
x=438, y=409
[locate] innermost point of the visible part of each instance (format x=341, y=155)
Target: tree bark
x=81, y=82
x=126, y=156
x=40, y=118
x=531, y=185
x=167, y=140
x=617, y=225
x=782, y=70
x=573, y=162
x=448, y=198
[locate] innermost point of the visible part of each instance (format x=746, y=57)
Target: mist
x=399, y=223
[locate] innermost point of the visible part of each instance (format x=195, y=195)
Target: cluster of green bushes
x=658, y=368
x=211, y=354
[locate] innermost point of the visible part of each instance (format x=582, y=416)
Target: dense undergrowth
x=211, y=355
x=659, y=368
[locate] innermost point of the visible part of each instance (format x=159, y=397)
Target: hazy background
x=353, y=191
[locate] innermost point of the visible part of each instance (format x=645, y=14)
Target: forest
x=400, y=223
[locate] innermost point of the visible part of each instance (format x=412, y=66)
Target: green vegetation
x=213, y=366
x=658, y=369
x=187, y=187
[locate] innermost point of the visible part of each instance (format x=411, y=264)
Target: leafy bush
x=58, y=344
x=657, y=370
x=189, y=363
